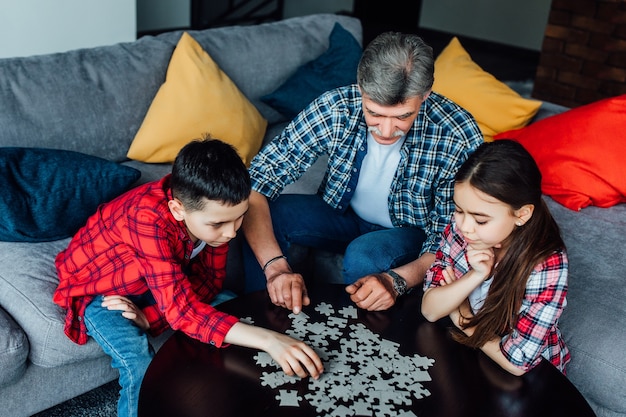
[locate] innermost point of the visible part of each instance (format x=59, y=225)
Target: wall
x=32, y=27
x=520, y=24
x=515, y=23
x=303, y=7
x=153, y=15
x=583, y=58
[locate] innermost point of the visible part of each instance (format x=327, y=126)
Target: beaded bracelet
x=271, y=261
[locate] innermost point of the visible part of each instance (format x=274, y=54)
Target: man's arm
x=376, y=292
x=285, y=288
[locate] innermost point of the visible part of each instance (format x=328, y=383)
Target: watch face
x=399, y=285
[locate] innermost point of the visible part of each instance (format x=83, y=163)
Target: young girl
x=500, y=272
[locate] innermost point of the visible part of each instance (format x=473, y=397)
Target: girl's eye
x=481, y=223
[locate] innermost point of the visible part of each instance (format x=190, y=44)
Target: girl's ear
x=524, y=214
x=177, y=209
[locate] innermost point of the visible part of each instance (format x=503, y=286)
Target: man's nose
x=386, y=127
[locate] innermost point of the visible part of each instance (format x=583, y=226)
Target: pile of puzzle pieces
x=364, y=375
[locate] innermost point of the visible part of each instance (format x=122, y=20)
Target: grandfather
x=393, y=149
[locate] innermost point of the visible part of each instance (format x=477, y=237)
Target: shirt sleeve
x=451, y=252
x=160, y=258
x=543, y=304
x=290, y=154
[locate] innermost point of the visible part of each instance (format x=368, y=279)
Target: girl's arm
x=439, y=302
x=293, y=356
x=491, y=348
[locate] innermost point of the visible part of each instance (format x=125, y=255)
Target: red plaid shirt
x=133, y=245
x=537, y=333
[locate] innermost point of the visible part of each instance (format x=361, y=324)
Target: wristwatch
x=399, y=283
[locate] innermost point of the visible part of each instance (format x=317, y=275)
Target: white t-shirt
x=372, y=191
x=479, y=294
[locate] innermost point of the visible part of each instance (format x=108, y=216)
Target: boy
x=157, y=254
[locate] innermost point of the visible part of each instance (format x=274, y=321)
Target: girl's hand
x=128, y=309
x=448, y=276
x=294, y=356
x=481, y=261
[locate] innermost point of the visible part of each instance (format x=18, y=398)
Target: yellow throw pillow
x=196, y=98
x=494, y=105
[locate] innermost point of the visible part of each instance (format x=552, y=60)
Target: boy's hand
x=287, y=290
x=128, y=309
x=294, y=356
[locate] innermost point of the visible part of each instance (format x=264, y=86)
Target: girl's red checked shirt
x=133, y=245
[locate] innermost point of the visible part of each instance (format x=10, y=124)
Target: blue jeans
x=306, y=220
x=128, y=347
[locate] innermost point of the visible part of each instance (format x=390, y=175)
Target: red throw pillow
x=581, y=153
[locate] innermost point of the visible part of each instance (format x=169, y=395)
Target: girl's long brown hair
x=506, y=171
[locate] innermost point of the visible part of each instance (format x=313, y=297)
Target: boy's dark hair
x=209, y=169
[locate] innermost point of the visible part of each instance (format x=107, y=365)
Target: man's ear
x=177, y=209
x=525, y=212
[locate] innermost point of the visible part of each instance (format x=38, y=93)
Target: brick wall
x=583, y=56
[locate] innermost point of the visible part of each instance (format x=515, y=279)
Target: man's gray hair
x=394, y=67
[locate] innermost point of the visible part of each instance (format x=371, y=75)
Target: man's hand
x=373, y=292
x=287, y=289
x=128, y=309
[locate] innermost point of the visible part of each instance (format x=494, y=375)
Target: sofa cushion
x=87, y=100
x=495, y=106
x=282, y=47
x=63, y=103
x=27, y=281
x=52, y=192
x=334, y=68
x=580, y=153
x=594, y=319
x=13, y=349
x=196, y=99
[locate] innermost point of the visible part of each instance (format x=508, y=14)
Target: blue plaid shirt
x=440, y=140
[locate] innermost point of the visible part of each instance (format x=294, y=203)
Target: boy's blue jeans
x=307, y=220
x=128, y=347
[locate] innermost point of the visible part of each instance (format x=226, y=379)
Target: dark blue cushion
x=334, y=68
x=48, y=194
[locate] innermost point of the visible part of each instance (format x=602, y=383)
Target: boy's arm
x=293, y=356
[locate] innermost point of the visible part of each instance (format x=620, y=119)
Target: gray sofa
x=94, y=100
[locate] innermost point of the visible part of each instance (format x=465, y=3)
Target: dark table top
x=189, y=378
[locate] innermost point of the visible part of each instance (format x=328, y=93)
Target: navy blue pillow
x=334, y=68
x=48, y=194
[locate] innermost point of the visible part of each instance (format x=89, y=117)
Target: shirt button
x=79, y=318
x=354, y=170
x=349, y=189
x=212, y=342
x=340, y=207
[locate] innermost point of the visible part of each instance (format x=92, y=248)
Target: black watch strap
x=399, y=283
